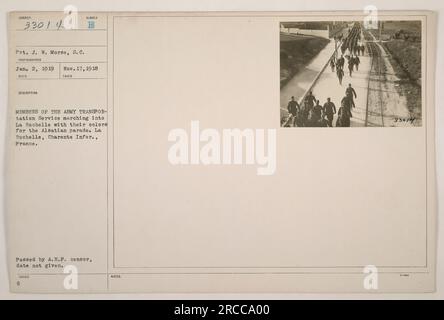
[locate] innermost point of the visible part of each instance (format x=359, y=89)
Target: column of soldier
x=312, y=113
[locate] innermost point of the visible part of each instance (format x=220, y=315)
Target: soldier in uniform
x=344, y=116
x=350, y=65
x=340, y=74
x=316, y=115
x=329, y=111
x=293, y=108
x=307, y=109
x=310, y=99
x=332, y=64
x=338, y=64
x=357, y=62
x=350, y=93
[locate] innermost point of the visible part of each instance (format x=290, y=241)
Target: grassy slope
x=405, y=57
x=408, y=55
x=297, y=54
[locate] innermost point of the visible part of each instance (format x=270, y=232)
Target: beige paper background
x=357, y=195
x=277, y=231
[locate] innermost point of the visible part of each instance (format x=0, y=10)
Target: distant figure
x=350, y=66
x=350, y=93
x=329, y=111
x=354, y=49
x=340, y=74
x=338, y=64
x=341, y=62
x=357, y=61
x=332, y=64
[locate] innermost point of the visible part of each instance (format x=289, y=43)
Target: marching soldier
x=332, y=64
x=341, y=62
x=350, y=66
x=316, y=114
x=310, y=99
x=293, y=108
x=357, y=62
x=329, y=111
x=344, y=116
x=340, y=74
x=350, y=93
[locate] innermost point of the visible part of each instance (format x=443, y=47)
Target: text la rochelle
x=229, y=147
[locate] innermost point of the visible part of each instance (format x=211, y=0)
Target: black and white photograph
x=350, y=74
